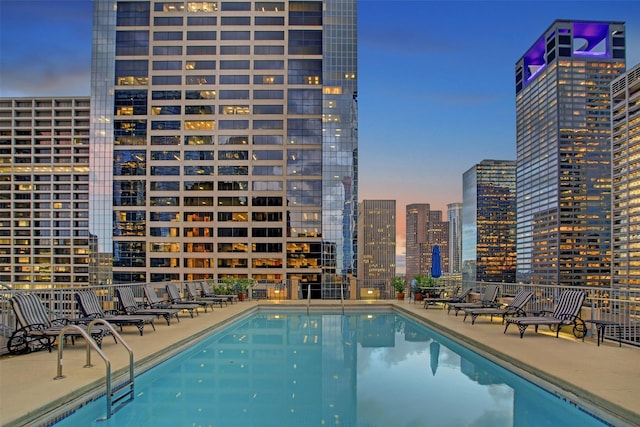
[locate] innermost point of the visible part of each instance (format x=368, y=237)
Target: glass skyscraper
x=489, y=222
x=564, y=153
x=225, y=140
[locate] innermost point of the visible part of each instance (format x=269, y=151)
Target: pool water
x=368, y=369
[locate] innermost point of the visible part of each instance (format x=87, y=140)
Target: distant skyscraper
x=564, y=152
x=489, y=222
x=454, y=217
x=377, y=241
x=424, y=229
x=625, y=93
x=225, y=139
x=44, y=192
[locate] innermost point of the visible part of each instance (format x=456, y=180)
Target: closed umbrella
x=436, y=263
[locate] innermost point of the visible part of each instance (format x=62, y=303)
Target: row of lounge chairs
x=565, y=313
x=37, y=330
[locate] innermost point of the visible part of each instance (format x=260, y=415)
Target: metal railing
x=603, y=303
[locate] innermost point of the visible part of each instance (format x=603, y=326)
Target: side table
x=600, y=327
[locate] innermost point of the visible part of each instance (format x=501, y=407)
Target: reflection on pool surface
x=370, y=369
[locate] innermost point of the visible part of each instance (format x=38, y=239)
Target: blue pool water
x=374, y=369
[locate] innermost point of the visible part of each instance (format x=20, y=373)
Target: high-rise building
x=225, y=139
x=44, y=192
x=454, y=217
x=489, y=222
x=377, y=241
x=424, y=229
x=564, y=153
x=625, y=113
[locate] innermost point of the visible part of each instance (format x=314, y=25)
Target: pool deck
x=605, y=378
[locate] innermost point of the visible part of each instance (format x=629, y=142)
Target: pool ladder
x=309, y=298
x=122, y=393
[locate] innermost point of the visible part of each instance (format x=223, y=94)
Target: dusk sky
x=436, y=80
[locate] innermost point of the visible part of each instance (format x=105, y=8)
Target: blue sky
x=436, y=79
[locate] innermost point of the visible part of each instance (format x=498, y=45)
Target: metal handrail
x=308, y=298
x=342, y=296
x=92, y=343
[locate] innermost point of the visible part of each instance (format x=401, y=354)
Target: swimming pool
x=364, y=369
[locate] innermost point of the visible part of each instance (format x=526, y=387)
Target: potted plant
x=244, y=284
x=399, y=283
x=424, y=283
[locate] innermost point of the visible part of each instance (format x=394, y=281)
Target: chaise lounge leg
x=523, y=328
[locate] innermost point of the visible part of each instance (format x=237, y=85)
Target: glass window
x=165, y=155
x=198, y=109
x=165, y=125
x=234, y=65
x=233, y=155
x=200, y=65
x=266, y=232
x=201, y=35
x=235, y=35
x=168, y=6
x=267, y=170
x=167, y=35
x=233, y=247
x=167, y=50
x=202, y=6
x=266, y=201
x=234, y=50
x=268, y=50
x=200, y=94
x=266, y=186
x=236, y=6
x=130, y=102
x=261, y=79
x=166, y=80
x=235, y=20
x=201, y=50
x=170, y=21
x=268, y=109
x=165, y=170
x=166, y=94
x=165, y=110
x=304, y=101
x=199, y=170
x=233, y=185
x=233, y=109
x=199, y=124
x=198, y=155
x=164, y=201
x=267, y=216
x=233, y=139
x=234, y=94
x=201, y=21
x=233, y=201
x=165, y=186
x=234, y=80
x=266, y=154
x=198, y=185
x=233, y=124
x=233, y=170
x=268, y=124
x=268, y=65
x=131, y=72
x=269, y=35
x=129, y=193
x=198, y=201
x=264, y=6
x=269, y=20
x=132, y=43
x=198, y=140
x=269, y=94
x=164, y=216
x=132, y=14
x=167, y=65
x=200, y=80
x=304, y=192
x=165, y=140
x=267, y=139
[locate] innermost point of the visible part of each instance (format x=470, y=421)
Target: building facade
x=489, y=222
x=377, y=237
x=625, y=189
x=226, y=140
x=564, y=153
x=454, y=217
x=44, y=192
x=424, y=229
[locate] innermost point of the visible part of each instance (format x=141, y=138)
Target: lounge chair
x=176, y=298
x=195, y=296
x=454, y=299
x=487, y=299
x=36, y=330
x=91, y=308
x=155, y=302
x=514, y=308
x=207, y=292
x=131, y=307
x=567, y=312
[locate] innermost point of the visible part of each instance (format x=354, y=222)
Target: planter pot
x=242, y=296
x=400, y=296
x=417, y=297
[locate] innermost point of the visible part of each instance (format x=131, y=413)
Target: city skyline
x=406, y=52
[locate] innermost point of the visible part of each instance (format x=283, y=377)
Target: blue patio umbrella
x=436, y=264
